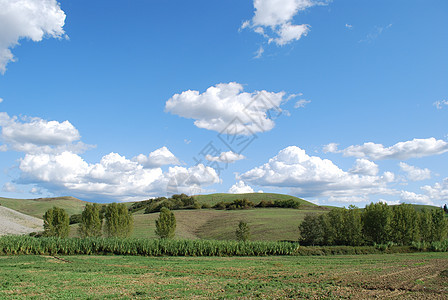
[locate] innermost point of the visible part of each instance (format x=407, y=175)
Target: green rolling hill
x=37, y=207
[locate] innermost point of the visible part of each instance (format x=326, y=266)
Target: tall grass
x=438, y=246
x=11, y=245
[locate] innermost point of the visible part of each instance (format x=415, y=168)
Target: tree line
x=378, y=223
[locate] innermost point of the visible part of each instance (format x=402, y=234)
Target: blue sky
x=337, y=102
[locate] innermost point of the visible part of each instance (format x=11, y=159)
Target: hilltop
x=37, y=207
x=212, y=199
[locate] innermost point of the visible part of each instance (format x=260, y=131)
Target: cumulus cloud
x=273, y=19
x=311, y=176
x=411, y=197
x=301, y=103
x=240, y=188
x=1, y=100
x=438, y=104
x=35, y=135
x=364, y=167
x=225, y=107
x=9, y=188
x=157, y=158
x=27, y=19
x=114, y=177
x=225, y=157
x=348, y=26
x=414, y=173
x=401, y=150
x=438, y=192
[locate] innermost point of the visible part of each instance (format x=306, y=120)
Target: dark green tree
x=311, y=230
x=119, y=221
x=242, y=232
x=353, y=227
x=439, y=228
x=91, y=223
x=425, y=225
x=166, y=224
x=377, y=223
x=404, y=224
x=56, y=222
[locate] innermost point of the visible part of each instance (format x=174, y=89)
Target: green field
x=267, y=224
x=416, y=276
x=38, y=207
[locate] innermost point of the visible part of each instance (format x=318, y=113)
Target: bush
x=75, y=219
x=242, y=232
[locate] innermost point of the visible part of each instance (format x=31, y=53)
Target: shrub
x=242, y=232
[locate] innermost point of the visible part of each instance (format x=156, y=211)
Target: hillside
x=267, y=224
x=37, y=207
x=212, y=199
x=13, y=222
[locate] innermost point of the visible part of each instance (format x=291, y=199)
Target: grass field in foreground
x=416, y=276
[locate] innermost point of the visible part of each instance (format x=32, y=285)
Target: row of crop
x=147, y=247
x=12, y=245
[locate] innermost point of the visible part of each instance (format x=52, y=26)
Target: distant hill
x=38, y=207
x=13, y=222
x=212, y=199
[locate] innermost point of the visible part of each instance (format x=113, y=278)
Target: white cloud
x=411, y=197
x=288, y=33
x=401, y=150
x=437, y=192
x=115, y=177
x=35, y=135
x=225, y=107
x=259, y=52
x=157, y=158
x=9, y=188
x=225, y=157
x=1, y=100
x=276, y=16
x=348, y=26
x=301, y=103
x=241, y=188
x=27, y=19
x=437, y=104
x=373, y=35
x=311, y=176
x=414, y=173
x=364, y=167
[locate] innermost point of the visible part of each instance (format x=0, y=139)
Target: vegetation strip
x=13, y=245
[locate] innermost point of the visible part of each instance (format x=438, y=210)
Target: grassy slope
x=212, y=199
x=37, y=207
x=267, y=224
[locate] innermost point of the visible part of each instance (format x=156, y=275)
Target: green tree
x=376, y=221
x=242, y=232
x=425, y=225
x=119, y=221
x=56, y=222
x=404, y=224
x=166, y=224
x=353, y=227
x=439, y=228
x=311, y=230
x=91, y=222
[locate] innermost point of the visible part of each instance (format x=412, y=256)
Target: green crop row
x=147, y=247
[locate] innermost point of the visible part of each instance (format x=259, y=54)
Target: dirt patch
x=15, y=223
